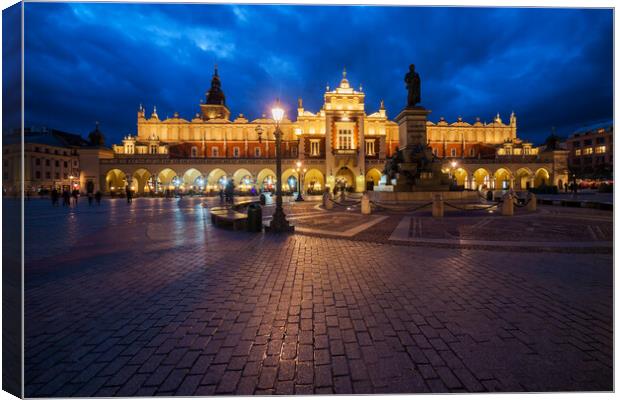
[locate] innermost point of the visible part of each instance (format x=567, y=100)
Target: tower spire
x=344, y=72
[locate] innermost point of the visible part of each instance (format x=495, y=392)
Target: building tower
x=215, y=105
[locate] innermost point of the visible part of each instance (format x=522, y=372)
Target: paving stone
x=308, y=313
x=304, y=374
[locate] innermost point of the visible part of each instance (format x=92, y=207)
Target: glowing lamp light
x=298, y=164
x=453, y=164
x=277, y=112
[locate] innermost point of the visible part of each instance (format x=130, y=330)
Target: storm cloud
x=98, y=62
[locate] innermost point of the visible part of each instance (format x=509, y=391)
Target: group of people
x=227, y=194
x=70, y=198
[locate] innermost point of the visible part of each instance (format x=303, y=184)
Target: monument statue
x=412, y=79
x=414, y=167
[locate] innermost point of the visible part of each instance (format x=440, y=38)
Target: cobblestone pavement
x=151, y=300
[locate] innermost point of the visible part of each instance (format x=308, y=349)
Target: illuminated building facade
x=339, y=144
x=591, y=152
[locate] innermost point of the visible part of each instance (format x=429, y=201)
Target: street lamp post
x=278, y=224
x=301, y=172
x=453, y=172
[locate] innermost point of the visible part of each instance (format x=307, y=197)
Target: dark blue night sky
x=98, y=62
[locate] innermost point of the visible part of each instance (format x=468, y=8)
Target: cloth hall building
x=342, y=142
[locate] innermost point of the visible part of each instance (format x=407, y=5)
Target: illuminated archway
x=373, y=175
x=460, y=176
x=482, y=179
x=216, y=179
x=142, y=181
x=266, y=179
x=289, y=180
x=523, y=178
x=192, y=179
x=240, y=175
x=345, y=177
x=244, y=181
x=115, y=180
x=502, y=178
x=541, y=177
x=314, y=181
x=165, y=177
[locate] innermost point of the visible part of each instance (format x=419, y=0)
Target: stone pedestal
x=417, y=170
x=365, y=206
x=531, y=205
x=437, y=206
x=327, y=201
x=508, y=207
x=412, y=127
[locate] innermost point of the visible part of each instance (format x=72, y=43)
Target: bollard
x=327, y=202
x=437, y=206
x=531, y=206
x=365, y=204
x=508, y=207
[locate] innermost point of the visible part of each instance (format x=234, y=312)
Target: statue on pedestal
x=412, y=79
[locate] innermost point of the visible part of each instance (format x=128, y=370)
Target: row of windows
x=589, y=150
x=37, y=161
x=588, y=142
x=472, y=152
x=589, y=160
x=46, y=150
x=48, y=175
x=215, y=152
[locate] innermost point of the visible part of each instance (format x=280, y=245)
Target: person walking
x=74, y=194
x=90, y=188
x=66, y=198
x=55, y=196
x=129, y=194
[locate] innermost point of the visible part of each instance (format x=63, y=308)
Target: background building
x=341, y=142
x=591, y=152
x=52, y=158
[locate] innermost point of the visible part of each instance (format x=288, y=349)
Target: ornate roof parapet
x=141, y=112
x=241, y=119
x=154, y=115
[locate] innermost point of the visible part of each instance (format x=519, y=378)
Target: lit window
x=578, y=152
x=435, y=152
x=153, y=149
x=370, y=148
x=314, y=148
x=215, y=152
x=600, y=149
x=452, y=152
x=587, y=150
x=235, y=151
x=256, y=151
x=345, y=139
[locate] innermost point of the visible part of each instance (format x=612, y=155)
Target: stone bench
x=224, y=217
